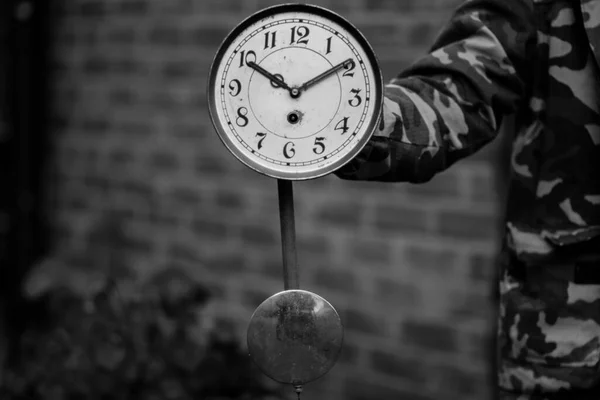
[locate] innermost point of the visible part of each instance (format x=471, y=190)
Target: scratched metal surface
x=295, y=337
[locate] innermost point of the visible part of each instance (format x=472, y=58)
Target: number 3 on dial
x=295, y=91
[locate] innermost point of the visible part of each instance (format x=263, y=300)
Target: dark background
x=24, y=133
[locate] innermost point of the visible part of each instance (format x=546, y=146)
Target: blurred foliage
x=123, y=339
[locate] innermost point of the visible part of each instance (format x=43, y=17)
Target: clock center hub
x=294, y=117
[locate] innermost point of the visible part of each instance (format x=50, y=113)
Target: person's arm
x=452, y=101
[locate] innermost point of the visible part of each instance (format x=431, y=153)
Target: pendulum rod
x=288, y=234
x=288, y=242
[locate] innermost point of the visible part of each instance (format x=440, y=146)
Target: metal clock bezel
x=377, y=98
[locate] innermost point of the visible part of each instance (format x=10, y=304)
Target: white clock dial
x=295, y=91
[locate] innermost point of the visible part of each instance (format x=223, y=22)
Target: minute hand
x=324, y=75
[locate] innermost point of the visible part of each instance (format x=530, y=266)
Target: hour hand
x=275, y=80
x=324, y=75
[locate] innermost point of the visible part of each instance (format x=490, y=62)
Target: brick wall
x=408, y=267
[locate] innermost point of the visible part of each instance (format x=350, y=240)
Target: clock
x=295, y=91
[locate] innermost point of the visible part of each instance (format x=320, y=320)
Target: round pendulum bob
x=295, y=337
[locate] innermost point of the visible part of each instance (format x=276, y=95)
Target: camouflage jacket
x=531, y=62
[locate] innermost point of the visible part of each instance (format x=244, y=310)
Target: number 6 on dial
x=295, y=91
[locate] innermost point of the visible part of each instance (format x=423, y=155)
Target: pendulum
x=294, y=336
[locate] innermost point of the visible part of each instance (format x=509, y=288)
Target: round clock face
x=295, y=91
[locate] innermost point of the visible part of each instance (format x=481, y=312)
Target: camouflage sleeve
x=452, y=101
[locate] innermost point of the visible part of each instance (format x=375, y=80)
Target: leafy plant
x=150, y=348
x=129, y=340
